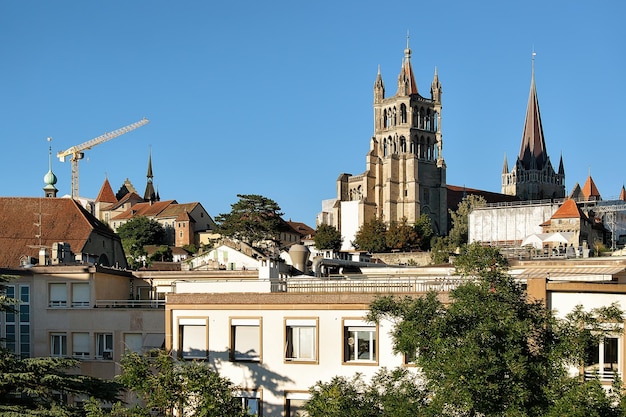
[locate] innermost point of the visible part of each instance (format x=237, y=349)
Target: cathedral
x=533, y=177
x=405, y=174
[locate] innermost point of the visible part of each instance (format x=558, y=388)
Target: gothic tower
x=405, y=173
x=533, y=177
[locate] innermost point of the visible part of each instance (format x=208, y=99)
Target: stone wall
x=404, y=258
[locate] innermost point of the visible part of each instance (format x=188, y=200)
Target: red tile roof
x=53, y=219
x=569, y=210
x=590, y=191
x=144, y=209
x=106, y=194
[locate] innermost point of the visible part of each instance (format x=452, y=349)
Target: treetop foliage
x=252, y=219
x=375, y=236
x=137, y=233
x=327, y=237
x=490, y=351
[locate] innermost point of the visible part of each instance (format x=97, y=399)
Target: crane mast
x=76, y=153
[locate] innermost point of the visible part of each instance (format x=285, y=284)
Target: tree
x=137, y=233
x=327, y=237
x=253, y=219
x=460, y=219
x=390, y=393
x=163, y=383
x=35, y=386
x=424, y=229
x=490, y=351
x=401, y=236
x=371, y=236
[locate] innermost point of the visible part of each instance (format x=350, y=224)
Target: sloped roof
x=145, y=209
x=457, y=193
x=622, y=194
x=106, y=194
x=125, y=199
x=302, y=228
x=569, y=210
x=590, y=191
x=577, y=193
x=177, y=210
x=61, y=220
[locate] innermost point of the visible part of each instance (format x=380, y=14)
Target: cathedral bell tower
x=405, y=174
x=408, y=176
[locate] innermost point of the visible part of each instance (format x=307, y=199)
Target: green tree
x=163, y=383
x=401, y=236
x=460, y=219
x=371, y=236
x=35, y=386
x=390, y=393
x=424, y=229
x=252, y=219
x=137, y=233
x=327, y=237
x=490, y=351
x=162, y=254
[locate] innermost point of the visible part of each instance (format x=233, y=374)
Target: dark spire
x=533, y=143
x=505, y=168
x=561, y=167
x=379, y=87
x=149, y=194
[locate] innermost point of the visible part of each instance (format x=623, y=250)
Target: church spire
x=406, y=79
x=533, y=149
x=149, y=194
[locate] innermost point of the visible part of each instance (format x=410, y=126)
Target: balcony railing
x=130, y=304
x=602, y=375
x=376, y=285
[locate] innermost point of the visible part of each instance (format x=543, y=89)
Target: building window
x=294, y=404
x=193, y=338
x=301, y=339
x=15, y=334
x=57, y=295
x=133, y=342
x=80, y=345
x=604, y=360
x=80, y=295
x=58, y=344
x=104, y=346
x=249, y=401
x=245, y=339
x=359, y=340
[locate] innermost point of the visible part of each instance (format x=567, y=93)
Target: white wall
x=349, y=223
x=274, y=376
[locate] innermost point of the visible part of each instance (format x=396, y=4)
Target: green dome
x=50, y=178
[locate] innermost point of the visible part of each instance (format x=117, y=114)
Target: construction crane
x=76, y=153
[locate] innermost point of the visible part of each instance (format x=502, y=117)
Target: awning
x=568, y=273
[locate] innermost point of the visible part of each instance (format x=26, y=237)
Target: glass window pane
x=247, y=342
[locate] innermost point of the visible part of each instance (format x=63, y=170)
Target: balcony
x=129, y=304
x=368, y=285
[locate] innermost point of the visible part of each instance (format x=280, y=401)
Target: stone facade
x=405, y=174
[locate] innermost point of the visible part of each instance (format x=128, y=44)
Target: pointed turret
x=561, y=168
x=406, y=79
x=379, y=88
x=435, y=88
x=577, y=193
x=505, y=167
x=622, y=194
x=149, y=194
x=590, y=191
x=106, y=194
x=533, y=142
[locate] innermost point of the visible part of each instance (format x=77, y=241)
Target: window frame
x=62, y=344
x=192, y=321
x=244, y=396
x=234, y=323
x=101, y=351
x=300, y=323
x=83, y=354
x=359, y=325
x=57, y=303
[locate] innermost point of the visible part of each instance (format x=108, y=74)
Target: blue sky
x=275, y=98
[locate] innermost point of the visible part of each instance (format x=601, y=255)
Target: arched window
x=435, y=121
x=384, y=147
x=385, y=118
x=395, y=117
x=403, y=113
x=413, y=147
x=416, y=113
x=402, y=144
